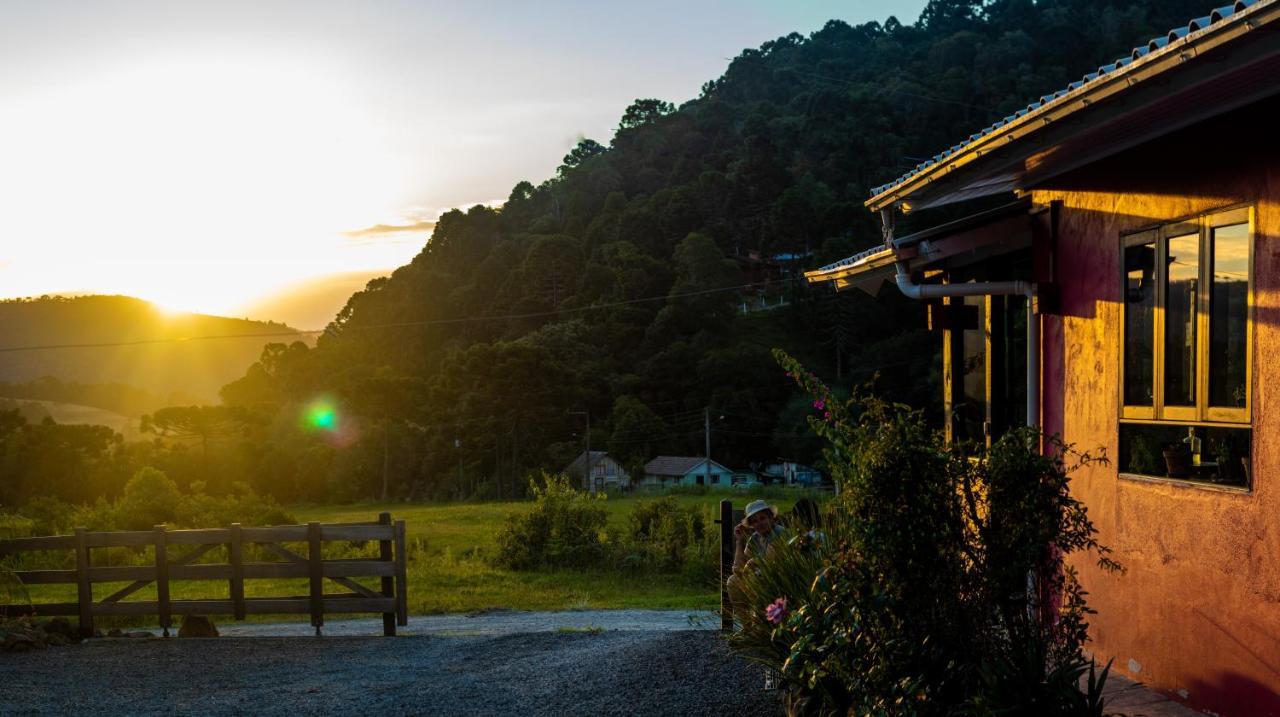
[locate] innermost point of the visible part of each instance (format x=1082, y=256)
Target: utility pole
x=457, y=446
x=586, y=457
x=706, y=431
x=386, y=457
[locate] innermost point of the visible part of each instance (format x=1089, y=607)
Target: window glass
x=1139, y=323
x=1228, y=316
x=1217, y=455
x=1181, y=295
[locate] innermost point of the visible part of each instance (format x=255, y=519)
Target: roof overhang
x=1223, y=65
x=953, y=245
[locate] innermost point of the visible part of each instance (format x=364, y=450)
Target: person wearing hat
x=752, y=538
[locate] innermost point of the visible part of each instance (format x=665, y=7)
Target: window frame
x=1201, y=413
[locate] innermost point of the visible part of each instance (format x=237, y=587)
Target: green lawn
x=450, y=571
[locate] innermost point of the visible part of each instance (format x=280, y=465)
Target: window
x=1185, y=365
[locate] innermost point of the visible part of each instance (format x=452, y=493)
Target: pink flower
x=827, y=415
x=820, y=404
x=777, y=611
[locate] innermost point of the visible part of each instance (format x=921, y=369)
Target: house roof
x=1028, y=144
x=576, y=465
x=676, y=465
x=922, y=249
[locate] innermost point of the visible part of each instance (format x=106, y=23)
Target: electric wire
x=398, y=324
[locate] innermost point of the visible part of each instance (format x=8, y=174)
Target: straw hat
x=757, y=506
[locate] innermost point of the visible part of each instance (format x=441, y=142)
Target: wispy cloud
x=378, y=230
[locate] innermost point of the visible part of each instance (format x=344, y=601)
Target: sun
x=190, y=182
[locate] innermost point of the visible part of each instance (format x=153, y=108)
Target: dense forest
x=647, y=280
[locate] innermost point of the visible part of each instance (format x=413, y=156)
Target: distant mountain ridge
x=121, y=339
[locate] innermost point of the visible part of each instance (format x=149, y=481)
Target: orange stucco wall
x=1197, y=612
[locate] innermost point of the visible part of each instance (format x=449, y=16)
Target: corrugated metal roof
x=676, y=465
x=1157, y=45
x=576, y=466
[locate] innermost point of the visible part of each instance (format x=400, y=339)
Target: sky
x=207, y=156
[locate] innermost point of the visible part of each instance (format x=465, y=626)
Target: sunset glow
x=195, y=183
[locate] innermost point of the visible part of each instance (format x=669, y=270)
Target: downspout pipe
x=912, y=290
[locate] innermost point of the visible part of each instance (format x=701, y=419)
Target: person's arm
x=741, y=541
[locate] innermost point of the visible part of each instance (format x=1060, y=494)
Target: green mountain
x=92, y=341
x=619, y=285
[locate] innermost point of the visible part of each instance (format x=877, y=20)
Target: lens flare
x=322, y=416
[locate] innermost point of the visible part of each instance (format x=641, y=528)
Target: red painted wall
x=1197, y=613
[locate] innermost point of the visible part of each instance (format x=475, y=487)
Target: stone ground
x=593, y=662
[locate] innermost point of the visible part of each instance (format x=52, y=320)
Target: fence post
x=388, y=582
x=402, y=577
x=317, y=576
x=84, y=589
x=236, y=553
x=726, y=564
x=162, y=580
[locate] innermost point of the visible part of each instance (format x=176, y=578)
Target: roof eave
x=1154, y=63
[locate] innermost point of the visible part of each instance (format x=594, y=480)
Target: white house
x=606, y=473
x=667, y=471
x=792, y=473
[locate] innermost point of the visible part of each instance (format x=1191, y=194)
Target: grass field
x=450, y=570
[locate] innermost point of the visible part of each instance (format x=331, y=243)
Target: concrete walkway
x=489, y=622
x=1126, y=696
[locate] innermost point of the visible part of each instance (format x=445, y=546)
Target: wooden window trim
x=1201, y=412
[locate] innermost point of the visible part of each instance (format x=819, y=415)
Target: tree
x=203, y=422
x=586, y=149
x=642, y=112
x=636, y=430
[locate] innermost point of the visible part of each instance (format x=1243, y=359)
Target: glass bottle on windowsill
x=1193, y=444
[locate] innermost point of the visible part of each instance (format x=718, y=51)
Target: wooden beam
x=84, y=589
x=387, y=554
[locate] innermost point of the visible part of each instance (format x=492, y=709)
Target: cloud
x=378, y=230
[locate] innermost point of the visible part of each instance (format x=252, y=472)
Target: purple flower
x=777, y=611
x=820, y=404
x=827, y=415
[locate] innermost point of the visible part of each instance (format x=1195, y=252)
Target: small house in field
x=792, y=473
x=669, y=471
x=1113, y=276
x=606, y=473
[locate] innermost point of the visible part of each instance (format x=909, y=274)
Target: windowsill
x=1182, y=483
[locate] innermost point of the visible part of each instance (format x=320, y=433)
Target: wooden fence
x=390, y=599
x=727, y=520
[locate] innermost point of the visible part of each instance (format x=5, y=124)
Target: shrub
x=150, y=498
x=916, y=599
x=663, y=536
x=562, y=530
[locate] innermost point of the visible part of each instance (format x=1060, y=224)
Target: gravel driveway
x=484, y=665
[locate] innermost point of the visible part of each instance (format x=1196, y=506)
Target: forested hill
x=762, y=175
x=121, y=340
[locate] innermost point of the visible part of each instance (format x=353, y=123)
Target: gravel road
x=489, y=667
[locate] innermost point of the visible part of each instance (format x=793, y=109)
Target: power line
x=400, y=324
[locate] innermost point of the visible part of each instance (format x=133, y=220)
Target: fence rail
x=390, y=599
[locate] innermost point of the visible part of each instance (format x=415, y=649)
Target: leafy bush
x=151, y=498
x=939, y=584
x=562, y=530
x=663, y=536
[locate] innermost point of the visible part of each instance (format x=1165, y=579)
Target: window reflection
x=1181, y=296
x=1229, y=314
x=1139, y=323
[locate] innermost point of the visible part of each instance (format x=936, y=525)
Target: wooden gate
x=390, y=599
